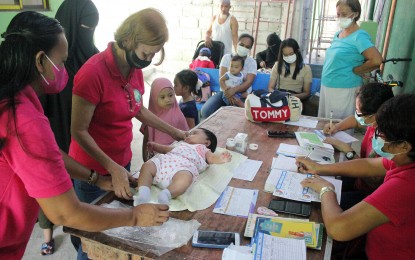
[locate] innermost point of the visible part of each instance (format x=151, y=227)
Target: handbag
x=275, y=107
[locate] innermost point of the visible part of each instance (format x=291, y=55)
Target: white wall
x=189, y=19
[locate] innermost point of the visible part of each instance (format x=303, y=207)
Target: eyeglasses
x=378, y=134
x=363, y=114
x=130, y=97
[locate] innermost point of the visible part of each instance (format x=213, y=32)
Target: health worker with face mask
x=108, y=93
x=350, y=56
x=290, y=74
x=387, y=215
x=368, y=100
x=245, y=43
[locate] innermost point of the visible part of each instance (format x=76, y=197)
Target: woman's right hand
x=146, y=215
x=330, y=131
x=120, y=182
x=262, y=64
x=306, y=165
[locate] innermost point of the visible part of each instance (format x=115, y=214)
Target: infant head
x=203, y=136
x=237, y=64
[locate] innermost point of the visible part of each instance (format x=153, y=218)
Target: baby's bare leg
x=145, y=180
x=180, y=182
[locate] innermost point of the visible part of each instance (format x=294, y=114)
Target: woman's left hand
x=316, y=183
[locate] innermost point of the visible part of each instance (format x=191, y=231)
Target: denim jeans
x=212, y=104
x=86, y=193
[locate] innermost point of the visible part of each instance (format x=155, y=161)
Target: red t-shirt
x=100, y=82
x=368, y=185
x=201, y=64
x=395, y=198
x=366, y=150
x=31, y=166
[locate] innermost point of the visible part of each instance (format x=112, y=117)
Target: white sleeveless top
x=223, y=33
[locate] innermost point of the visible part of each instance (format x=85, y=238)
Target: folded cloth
x=207, y=188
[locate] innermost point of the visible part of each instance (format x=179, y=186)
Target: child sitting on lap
x=174, y=169
x=234, y=77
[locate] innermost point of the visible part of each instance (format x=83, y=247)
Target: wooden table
x=225, y=123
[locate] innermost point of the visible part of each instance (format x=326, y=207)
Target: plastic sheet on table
x=157, y=239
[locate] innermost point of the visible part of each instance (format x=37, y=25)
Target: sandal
x=48, y=248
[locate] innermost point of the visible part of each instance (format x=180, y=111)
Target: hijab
x=72, y=14
x=172, y=116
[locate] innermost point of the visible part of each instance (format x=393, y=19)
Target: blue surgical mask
x=361, y=120
x=378, y=144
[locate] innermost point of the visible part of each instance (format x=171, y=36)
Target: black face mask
x=134, y=61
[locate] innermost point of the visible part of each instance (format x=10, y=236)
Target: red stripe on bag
x=269, y=114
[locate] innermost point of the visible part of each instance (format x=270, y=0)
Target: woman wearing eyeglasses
x=108, y=92
x=388, y=214
x=368, y=100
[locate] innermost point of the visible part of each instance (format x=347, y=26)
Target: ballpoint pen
x=331, y=121
x=307, y=156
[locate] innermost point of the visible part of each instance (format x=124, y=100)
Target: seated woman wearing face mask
x=245, y=43
x=368, y=100
x=290, y=73
x=386, y=215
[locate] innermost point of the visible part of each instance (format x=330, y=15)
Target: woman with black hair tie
x=386, y=215
x=290, y=74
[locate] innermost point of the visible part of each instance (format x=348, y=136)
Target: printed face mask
x=290, y=59
x=378, y=144
x=134, y=61
x=361, y=120
x=242, y=51
x=58, y=84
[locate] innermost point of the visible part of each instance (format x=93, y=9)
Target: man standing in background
x=223, y=27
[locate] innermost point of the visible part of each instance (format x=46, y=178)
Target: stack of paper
x=291, y=150
x=312, y=142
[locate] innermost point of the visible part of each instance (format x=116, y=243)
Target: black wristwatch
x=350, y=155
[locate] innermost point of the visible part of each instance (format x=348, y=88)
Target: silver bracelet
x=326, y=189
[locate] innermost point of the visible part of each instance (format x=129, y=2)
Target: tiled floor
x=64, y=248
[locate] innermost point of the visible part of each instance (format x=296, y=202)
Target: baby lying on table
x=174, y=169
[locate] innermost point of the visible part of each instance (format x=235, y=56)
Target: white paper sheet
x=236, y=202
x=304, y=122
x=341, y=136
x=283, y=162
x=269, y=247
x=233, y=252
x=247, y=170
x=287, y=185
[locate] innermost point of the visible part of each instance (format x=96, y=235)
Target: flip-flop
x=48, y=248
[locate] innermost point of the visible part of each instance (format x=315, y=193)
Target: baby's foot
x=164, y=197
x=143, y=196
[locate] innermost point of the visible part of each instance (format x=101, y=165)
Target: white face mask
x=242, y=51
x=290, y=59
x=344, y=22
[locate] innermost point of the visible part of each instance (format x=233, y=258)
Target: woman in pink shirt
x=32, y=167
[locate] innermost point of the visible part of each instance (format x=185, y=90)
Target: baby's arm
x=159, y=148
x=222, y=81
x=223, y=157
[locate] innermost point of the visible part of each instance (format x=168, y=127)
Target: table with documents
x=225, y=123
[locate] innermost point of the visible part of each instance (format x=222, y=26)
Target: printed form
x=236, y=202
